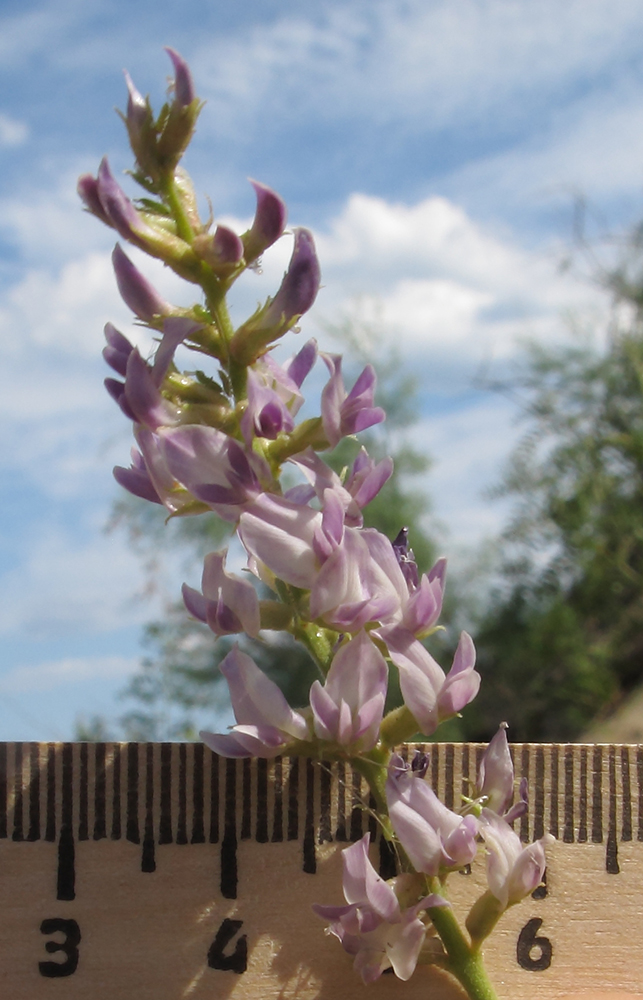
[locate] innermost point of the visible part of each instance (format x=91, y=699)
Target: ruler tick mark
x=148, y=860
x=165, y=823
x=597, y=795
x=611, y=852
x=310, y=860
x=568, y=830
x=524, y=819
x=198, y=831
x=116, y=794
x=17, y=785
x=100, y=794
x=278, y=815
x=293, y=799
x=132, y=830
x=261, y=830
x=66, y=880
x=181, y=823
x=229, y=843
x=50, y=829
x=246, y=810
x=626, y=831
x=34, y=792
x=582, y=824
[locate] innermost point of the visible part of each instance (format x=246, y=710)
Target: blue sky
x=433, y=146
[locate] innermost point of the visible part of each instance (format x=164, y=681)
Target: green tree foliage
x=177, y=688
x=562, y=640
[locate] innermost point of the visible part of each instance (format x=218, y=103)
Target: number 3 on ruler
x=69, y=947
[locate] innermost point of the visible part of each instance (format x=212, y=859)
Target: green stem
x=398, y=727
x=374, y=771
x=465, y=963
x=318, y=641
x=183, y=227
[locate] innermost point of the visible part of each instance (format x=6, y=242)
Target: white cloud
x=451, y=295
x=469, y=448
x=12, y=132
x=592, y=147
x=67, y=583
x=69, y=671
x=404, y=61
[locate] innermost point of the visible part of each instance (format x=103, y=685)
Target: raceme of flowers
x=223, y=437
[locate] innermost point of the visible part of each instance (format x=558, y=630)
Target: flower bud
x=268, y=225
x=87, y=188
x=104, y=198
x=296, y=295
x=117, y=350
x=496, y=773
x=117, y=210
x=223, y=250
x=184, y=92
x=181, y=119
x=139, y=123
x=136, y=291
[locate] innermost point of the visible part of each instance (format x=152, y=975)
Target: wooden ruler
x=158, y=871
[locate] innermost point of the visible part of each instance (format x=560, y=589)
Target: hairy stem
x=465, y=962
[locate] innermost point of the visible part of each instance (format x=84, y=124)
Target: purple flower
x=406, y=558
x=106, y=199
x=88, y=192
x=348, y=708
x=172, y=494
x=176, y=329
x=223, y=250
x=211, y=466
x=266, y=415
x=463, y=682
x=137, y=479
x=283, y=382
x=144, y=398
x=428, y=694
x=352, y=574
x=362, y=484
x=373, y=926
x=265, y=721
x=356, y=585
x=228, y=604
x=279, y=534
x=300, y=284
x=424, y=605
x=136, y=291
x=268, y=225
x=139, y=396
x=366, y=478
x=434, y=837
x=348, y=413
x=496, y=778
x=513, y=871
x=118, y=349
x=301, y=363
x=295, y=296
